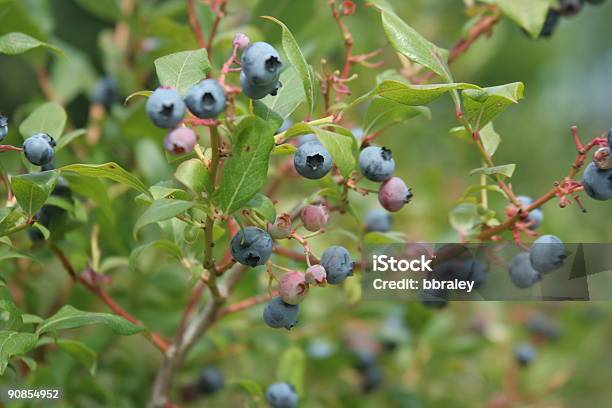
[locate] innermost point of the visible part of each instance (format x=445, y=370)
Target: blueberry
x=524, y=354
x=541, y=325
x=476, y=272
x=364, y=359
x=551, y=22
x=597, y=183
x=547, y=254
x=166, y=108
x=251, y=246
x=206, y=99
x=378, y=220
x=610, y=139
x=105, y=92
x=535, y=217
x=376, y=163
x=257, y=91
x=3, y=127
x=314, y=217
x=570, y=7
x=282, y=395
x=292, y=287
x=180, y=140
x=435, y=298
x=39, y=149
x=211, y=380
x=393, y=194
x=522, y=274
x=371, y=379
x=279, y=314
x=306, y=138
x=337, y=263
x=312, y=160
x=261, y=64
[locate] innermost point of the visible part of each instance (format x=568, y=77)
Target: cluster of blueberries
x=597, y=177
x=259, y=77
x=370, y=373
x=546, y=254
x=566, y=8
x=211, y=381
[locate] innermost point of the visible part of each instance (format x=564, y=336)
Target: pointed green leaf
x=161, y=210
x=416, y=95
x=108, y=170
x=343, y=148
x=296, y=58
x=245, y=172
x=69, y=317
x=289, y=96
x=164, y=245
x=262, y=205
x=48, y=118
x=284, y=150
x=506, y=170
x=384, y=112
x=529, y=14
x=12, y=220
x=32, y=190
x=480, y=106
x=146, y=94
x=194, y=175
x=82, y=352
x=69, y=137
x=92, y=188
x=12, y=344
x=182, y=69
x=490, y=138
x=18, y=43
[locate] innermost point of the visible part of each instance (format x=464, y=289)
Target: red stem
x=195, y=24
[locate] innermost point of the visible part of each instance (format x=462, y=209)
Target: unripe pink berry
x=180, y=140
x=315, y=275
x=241, y=40
x=281, y=227
x=314, y=217
x=292, y=287
x=393, y=194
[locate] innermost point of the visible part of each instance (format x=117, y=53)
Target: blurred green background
x=440, y=358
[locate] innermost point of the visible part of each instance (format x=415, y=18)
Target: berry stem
x=247, y=303
x=221, y=5
x=10, y=148
x=195, y=24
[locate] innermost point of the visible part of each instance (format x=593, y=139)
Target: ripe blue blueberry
x=165, y=108
x=306, y=138
x=251, y=246
x=39, y=149
x=435, y=298
x=257, y=91
x=365, y=358
x=206, y=99
x=371, y=379
x=261, y=64
x=524, y=354
x=338, y=264
x=211, y=380
x=378, y=220
x=279, y=314
x=522, y=274
x=105, y=92
x=312, y=160
x=570, y=7
x=535, y=217
x=610, y=139
x=376, y=163
x=394, y=194
x=597, y=183
x=547, y=254
x=282, y=395
x=3, y=127
x=542, y=326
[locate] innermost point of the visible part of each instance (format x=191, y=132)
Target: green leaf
x=69, y=317
x=18, y=43
x=48, y=118
x=10, y=315
x=161, y=210
x=14, y=220
x=182, y=69
x=262, y=205
x=476, y=188
x=291, y=368
x=284, y=150
x=506, y=170
x=529, y=14
x=82, y=352
x=464, y=218
x=296, y=58
x=146, y=94
x=384, y=112
x=252, y=388
x=489, y=137
x=164, y=245
x=482, y=105
x=12, y=344
x=108, y=170
x=31, y=319
x=245, y=172
x=92, y=188
x=343, y=148
x=352, y=290
x=8, y=254
x=108, y=10
x=289, y=96
x=274, y=120
x=407, y=41
x=194, y=176
x=32, y=190
x=69, y=137
x=416, y=95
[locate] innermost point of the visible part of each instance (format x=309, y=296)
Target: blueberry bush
x=187, y=186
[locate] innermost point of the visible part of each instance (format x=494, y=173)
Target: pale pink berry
x=180, y=140
x=315, y=275
x=393, y=194
x=603, y=158
x=241, y=40
x=281, y=227
x=292, y=287
x=314, y=217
